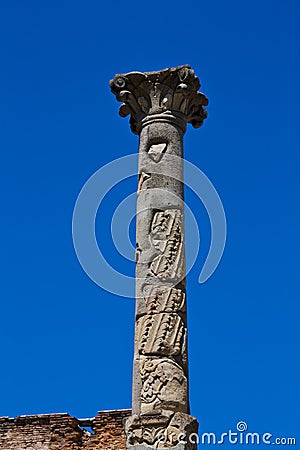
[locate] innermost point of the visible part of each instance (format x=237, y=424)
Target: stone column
x=160, y=104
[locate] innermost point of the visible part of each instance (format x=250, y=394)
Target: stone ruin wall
x=64, y=432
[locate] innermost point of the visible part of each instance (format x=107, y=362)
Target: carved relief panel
x=167, y=237
x=160, y=334
x=164, y=385
x=163, y=299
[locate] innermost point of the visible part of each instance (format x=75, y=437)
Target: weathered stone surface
x=156, y=151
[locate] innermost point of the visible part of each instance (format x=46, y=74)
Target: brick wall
x=63, y=432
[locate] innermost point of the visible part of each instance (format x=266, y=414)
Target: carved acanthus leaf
x=161, y=431
x=148, y=429
x=173, y=89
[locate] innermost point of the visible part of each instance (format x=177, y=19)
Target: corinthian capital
x=160, y=95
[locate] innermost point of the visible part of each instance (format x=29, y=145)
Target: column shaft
x=160, y=104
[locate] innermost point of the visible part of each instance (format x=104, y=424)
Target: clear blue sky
x=66, y=345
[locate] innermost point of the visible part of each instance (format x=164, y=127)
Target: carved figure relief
x=167, y=237
x=160, y=334
x=164, y=386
